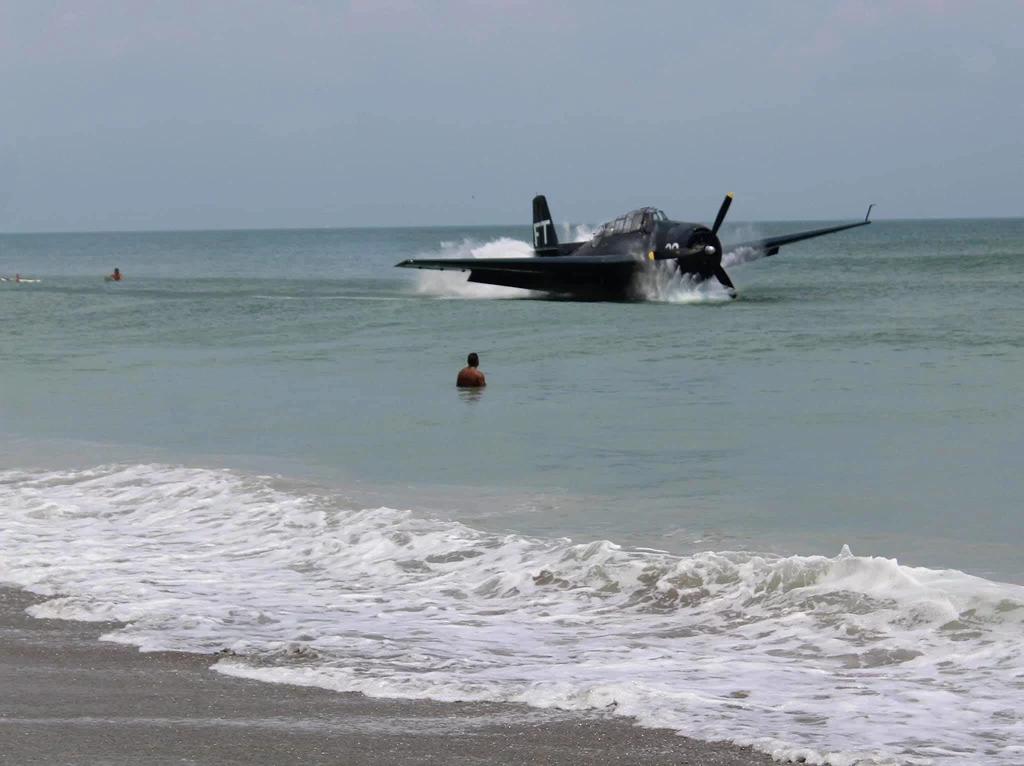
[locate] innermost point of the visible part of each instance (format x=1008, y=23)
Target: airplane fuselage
x=685, y=243
x=644, y=235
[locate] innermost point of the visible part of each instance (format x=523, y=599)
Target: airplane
x=605, y=267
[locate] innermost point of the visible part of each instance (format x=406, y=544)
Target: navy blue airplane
x=604, y=267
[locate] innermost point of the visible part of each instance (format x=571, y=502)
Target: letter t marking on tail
x=540, y=228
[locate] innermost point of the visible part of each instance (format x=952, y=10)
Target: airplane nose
x=712, y=261
x=705, y=246
x=702, y=253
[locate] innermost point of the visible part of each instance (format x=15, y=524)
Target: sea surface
x=793, y=520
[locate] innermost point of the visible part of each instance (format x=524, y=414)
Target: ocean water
x=791, y=520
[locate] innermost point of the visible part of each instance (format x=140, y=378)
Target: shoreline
x=71, y=698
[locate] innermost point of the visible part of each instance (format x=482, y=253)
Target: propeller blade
x=721, y=212
x=722, y=277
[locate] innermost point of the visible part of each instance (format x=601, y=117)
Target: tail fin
x=545, y=241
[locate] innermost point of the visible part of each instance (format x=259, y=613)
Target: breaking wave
x=841, y=660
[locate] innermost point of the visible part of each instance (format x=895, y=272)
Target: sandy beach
x=72, y=699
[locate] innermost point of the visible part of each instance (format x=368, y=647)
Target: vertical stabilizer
x=545, y=241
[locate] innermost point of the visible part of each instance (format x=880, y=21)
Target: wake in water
x=739, y=255
x=841, y=660
x=663, y=282
x=455, y=284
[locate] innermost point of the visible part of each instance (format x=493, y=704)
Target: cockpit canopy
x=635, y=220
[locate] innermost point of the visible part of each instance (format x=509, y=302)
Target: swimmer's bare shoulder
x=470, y=377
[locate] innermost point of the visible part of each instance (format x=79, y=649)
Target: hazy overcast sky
x=140, y=114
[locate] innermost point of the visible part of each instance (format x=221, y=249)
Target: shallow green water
x=866, y=388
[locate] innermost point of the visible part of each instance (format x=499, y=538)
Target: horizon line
x=365, y=227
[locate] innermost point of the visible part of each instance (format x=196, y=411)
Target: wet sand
x=68, y=698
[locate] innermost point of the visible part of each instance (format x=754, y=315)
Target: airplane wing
x=531, y=264
x=771, y=245
x=560, y=274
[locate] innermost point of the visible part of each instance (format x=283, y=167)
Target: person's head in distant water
x=471, y=377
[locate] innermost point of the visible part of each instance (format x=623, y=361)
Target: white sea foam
x=735, y=256
x=581, y=233
x=662, y=281
x=835, y=660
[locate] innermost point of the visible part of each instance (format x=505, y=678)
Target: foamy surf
x=841, y=660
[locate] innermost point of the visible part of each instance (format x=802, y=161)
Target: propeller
x=721, y=213
x=705, y=254
x=719, y=272
x=704, y=248
x=722, y=277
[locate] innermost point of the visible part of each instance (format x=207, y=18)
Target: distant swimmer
x=471, y=377
x=116, y=276
x=17, y=277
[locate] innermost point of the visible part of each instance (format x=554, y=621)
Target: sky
x=148, y=114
